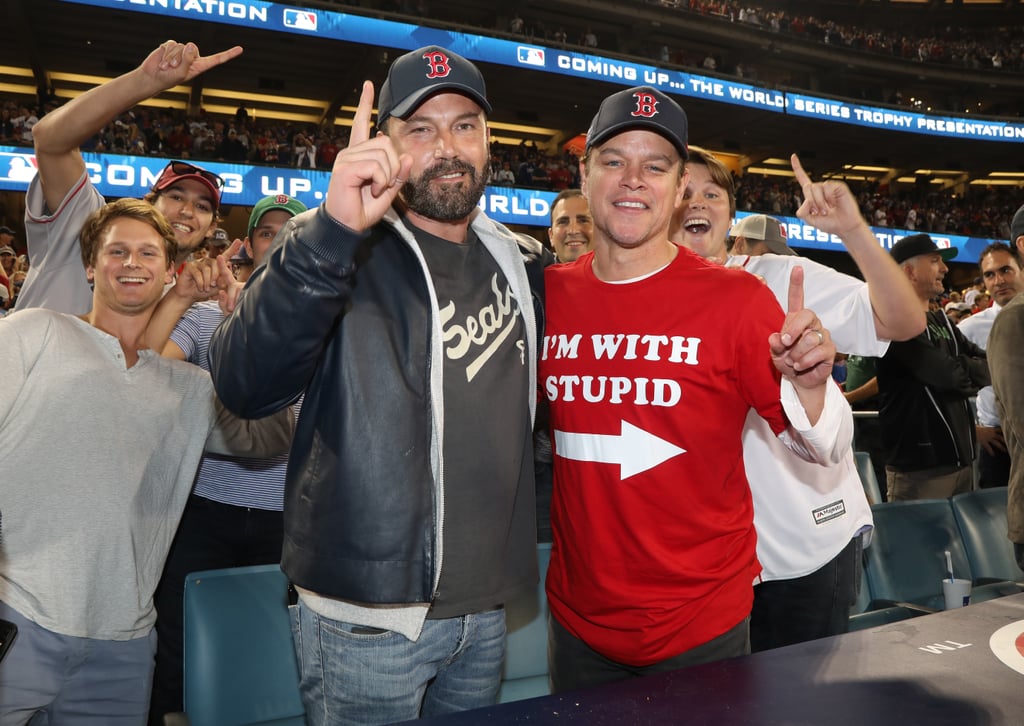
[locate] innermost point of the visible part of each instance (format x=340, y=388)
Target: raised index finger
x=796, y=290
x=798, y=170
x=361, y=122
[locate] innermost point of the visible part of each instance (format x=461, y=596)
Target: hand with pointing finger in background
x=829, y=205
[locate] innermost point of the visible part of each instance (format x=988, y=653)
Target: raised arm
x=204, y=279
x=263, y=355
x=832, y=208
x=60, y=133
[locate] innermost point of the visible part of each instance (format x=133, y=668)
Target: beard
x=448, y=202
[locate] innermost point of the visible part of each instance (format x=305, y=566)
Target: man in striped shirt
x=233, y=517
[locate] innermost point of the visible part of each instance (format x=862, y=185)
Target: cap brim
x=780, y=249
x=948, y=253
x=618, y=128
x=270, y=208
x=195, y=177
x=414, y=100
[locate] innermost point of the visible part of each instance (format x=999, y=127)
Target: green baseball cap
x=275, y=201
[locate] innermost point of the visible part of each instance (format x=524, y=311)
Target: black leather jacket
x=924, y=386
x=352, y=320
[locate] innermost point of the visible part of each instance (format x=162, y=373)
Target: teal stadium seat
x=240, y=663
x=981, y=516
x=869, y=613
x=526, y=646
x=906, y=561
x=868, y=479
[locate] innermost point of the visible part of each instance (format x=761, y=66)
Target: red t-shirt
x=649, y=384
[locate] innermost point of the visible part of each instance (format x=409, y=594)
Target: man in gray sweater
x=104, y=436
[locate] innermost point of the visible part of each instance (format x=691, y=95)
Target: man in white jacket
x=809, y=519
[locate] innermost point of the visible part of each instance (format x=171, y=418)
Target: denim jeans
x=356, y=675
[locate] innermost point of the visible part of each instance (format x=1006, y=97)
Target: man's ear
x=90, y=273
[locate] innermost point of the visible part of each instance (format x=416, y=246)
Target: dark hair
x=1002, y=247
x=92, y=231
x=719, y=173
x=151, y=197
x=565, y=194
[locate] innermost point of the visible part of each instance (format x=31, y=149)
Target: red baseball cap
x=176, y=171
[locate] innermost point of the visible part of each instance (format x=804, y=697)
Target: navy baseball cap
x=641, y=107
x=420, y=74
x=1017, y=226
x=919, y=244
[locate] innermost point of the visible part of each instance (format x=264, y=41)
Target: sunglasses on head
x=181, y=168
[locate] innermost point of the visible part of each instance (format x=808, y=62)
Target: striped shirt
x=240, y=482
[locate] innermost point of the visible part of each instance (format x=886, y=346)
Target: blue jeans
x=356, y=675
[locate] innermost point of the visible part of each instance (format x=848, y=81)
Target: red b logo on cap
x=646, y=105
x=439, y=64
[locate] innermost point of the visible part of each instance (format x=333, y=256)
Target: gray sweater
x=98, y=462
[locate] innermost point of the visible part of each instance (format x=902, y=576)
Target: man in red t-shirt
x=654, y=547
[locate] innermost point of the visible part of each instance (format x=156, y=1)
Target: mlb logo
x=943, y=243
x=299, y=19
x=531, y=56
x=17, y=167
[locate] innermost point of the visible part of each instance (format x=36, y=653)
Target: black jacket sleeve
x=263, y=355
x=933, y=365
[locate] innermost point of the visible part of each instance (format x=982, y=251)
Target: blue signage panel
x=245, y=184
x=115, y=175
x=892, y=119
x=530, y=56
x=388, y=33
x=802, y=235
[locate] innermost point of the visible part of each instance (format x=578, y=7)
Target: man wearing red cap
x=233, y=515
x=61, y=196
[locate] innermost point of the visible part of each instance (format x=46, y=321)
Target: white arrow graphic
x=634, y=449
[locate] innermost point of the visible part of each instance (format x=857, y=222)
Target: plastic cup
x=957, y=593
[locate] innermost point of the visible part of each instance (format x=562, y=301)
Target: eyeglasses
x=183, y=168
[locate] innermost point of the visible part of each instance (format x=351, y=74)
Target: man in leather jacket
x=925, y=384
x=411, y=321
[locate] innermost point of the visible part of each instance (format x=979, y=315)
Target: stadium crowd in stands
x=147, y=131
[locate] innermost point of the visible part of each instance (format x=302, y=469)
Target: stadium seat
x=869, y=612
x=239, y=659
x=906, y=560
x=526, y=646
x=867, y=477
x=981, y=516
